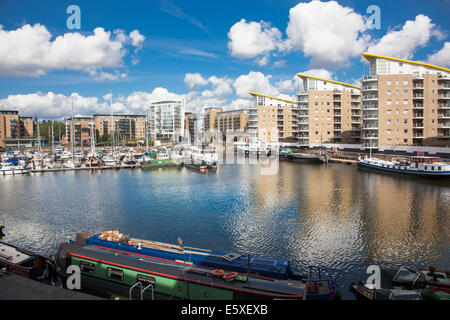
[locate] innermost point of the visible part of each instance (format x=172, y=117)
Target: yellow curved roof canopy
x=371, y=56
x=302, y=75
x=263, y=95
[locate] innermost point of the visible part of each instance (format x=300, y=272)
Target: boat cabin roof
x=12, y=255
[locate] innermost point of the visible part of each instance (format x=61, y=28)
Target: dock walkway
x=14, y=287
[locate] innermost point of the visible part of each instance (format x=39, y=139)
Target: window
x=406, y=121
x=405, y=131
x=389, y=121
x=389, y=131
x=388, y=112
x=389, y=102
x=405, y=82
x=405, y=111
x=87, y=267
x=389, y=141
x=405, y=140
x=389, y=82
x=115, y=274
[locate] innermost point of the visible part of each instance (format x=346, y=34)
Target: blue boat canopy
x=269, y=267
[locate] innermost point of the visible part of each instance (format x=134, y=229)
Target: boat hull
x=413, y=173
x=109, y=271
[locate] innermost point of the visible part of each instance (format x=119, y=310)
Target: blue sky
x=193, y=37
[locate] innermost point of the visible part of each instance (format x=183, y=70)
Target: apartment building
x=209, y=118
x=13, y=126
x=166, y=120
x=235, y=120
x=272, y=119
x=125, y=126
x=405, y=103
x=190, y=125
x=329, y=112
x=79, y=130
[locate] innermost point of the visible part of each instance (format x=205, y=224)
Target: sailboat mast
x=112, y=125
x=39, y=135
x=53, y=139
x=72, y=129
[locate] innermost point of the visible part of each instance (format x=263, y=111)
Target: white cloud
x=254, y=82
x=51, y=105
x=194, y=80
x=320, y=73
x=30, y=51
x=249, y=40
x=279, y=63
x=442, y=57
x=403, y=43
x=222, y=86
x=327, y=32
x=137, y=39
x=286, y=85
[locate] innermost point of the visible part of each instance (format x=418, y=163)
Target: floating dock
x=86, y=168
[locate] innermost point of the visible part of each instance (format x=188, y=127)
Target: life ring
x=218, y=273
x=230, y=275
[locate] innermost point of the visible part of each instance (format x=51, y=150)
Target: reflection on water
x=328, y=215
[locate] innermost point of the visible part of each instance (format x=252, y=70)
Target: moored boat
x=419, y=166
x=10, y=169
x=181, y=272
x=29, y=264
x=405, y=283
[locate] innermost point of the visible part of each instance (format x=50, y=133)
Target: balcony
x=418, y=96
x=370, y=97
x=417, y=106
x=445, y=125
x=444, y=116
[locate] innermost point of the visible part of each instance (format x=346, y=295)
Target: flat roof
x=118, y=115
x=371, y=56
x=270, y=97
x=302, y=75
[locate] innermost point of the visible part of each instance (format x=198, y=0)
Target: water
x=333, y=215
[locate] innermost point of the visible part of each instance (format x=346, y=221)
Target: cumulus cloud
x=442, y=57
x=31, y=51
x=254, y=82
x=194, y=80
x=137, y=39
x=252, y=39
x=286, y=85
x=327, y=32
x=51, y=105
x=330, y=34
x=320, y=73
x=221, y=92
x=402, y=43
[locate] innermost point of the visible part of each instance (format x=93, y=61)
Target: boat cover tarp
x=269, y=267
x=409, y=277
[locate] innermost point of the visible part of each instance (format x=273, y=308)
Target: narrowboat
x=405, y=283
x=30, y=265
x=138, y=269
x=419, y=166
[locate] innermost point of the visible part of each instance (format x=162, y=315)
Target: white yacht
x=10, y=169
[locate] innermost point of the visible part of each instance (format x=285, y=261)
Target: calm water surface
x=333, y=215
